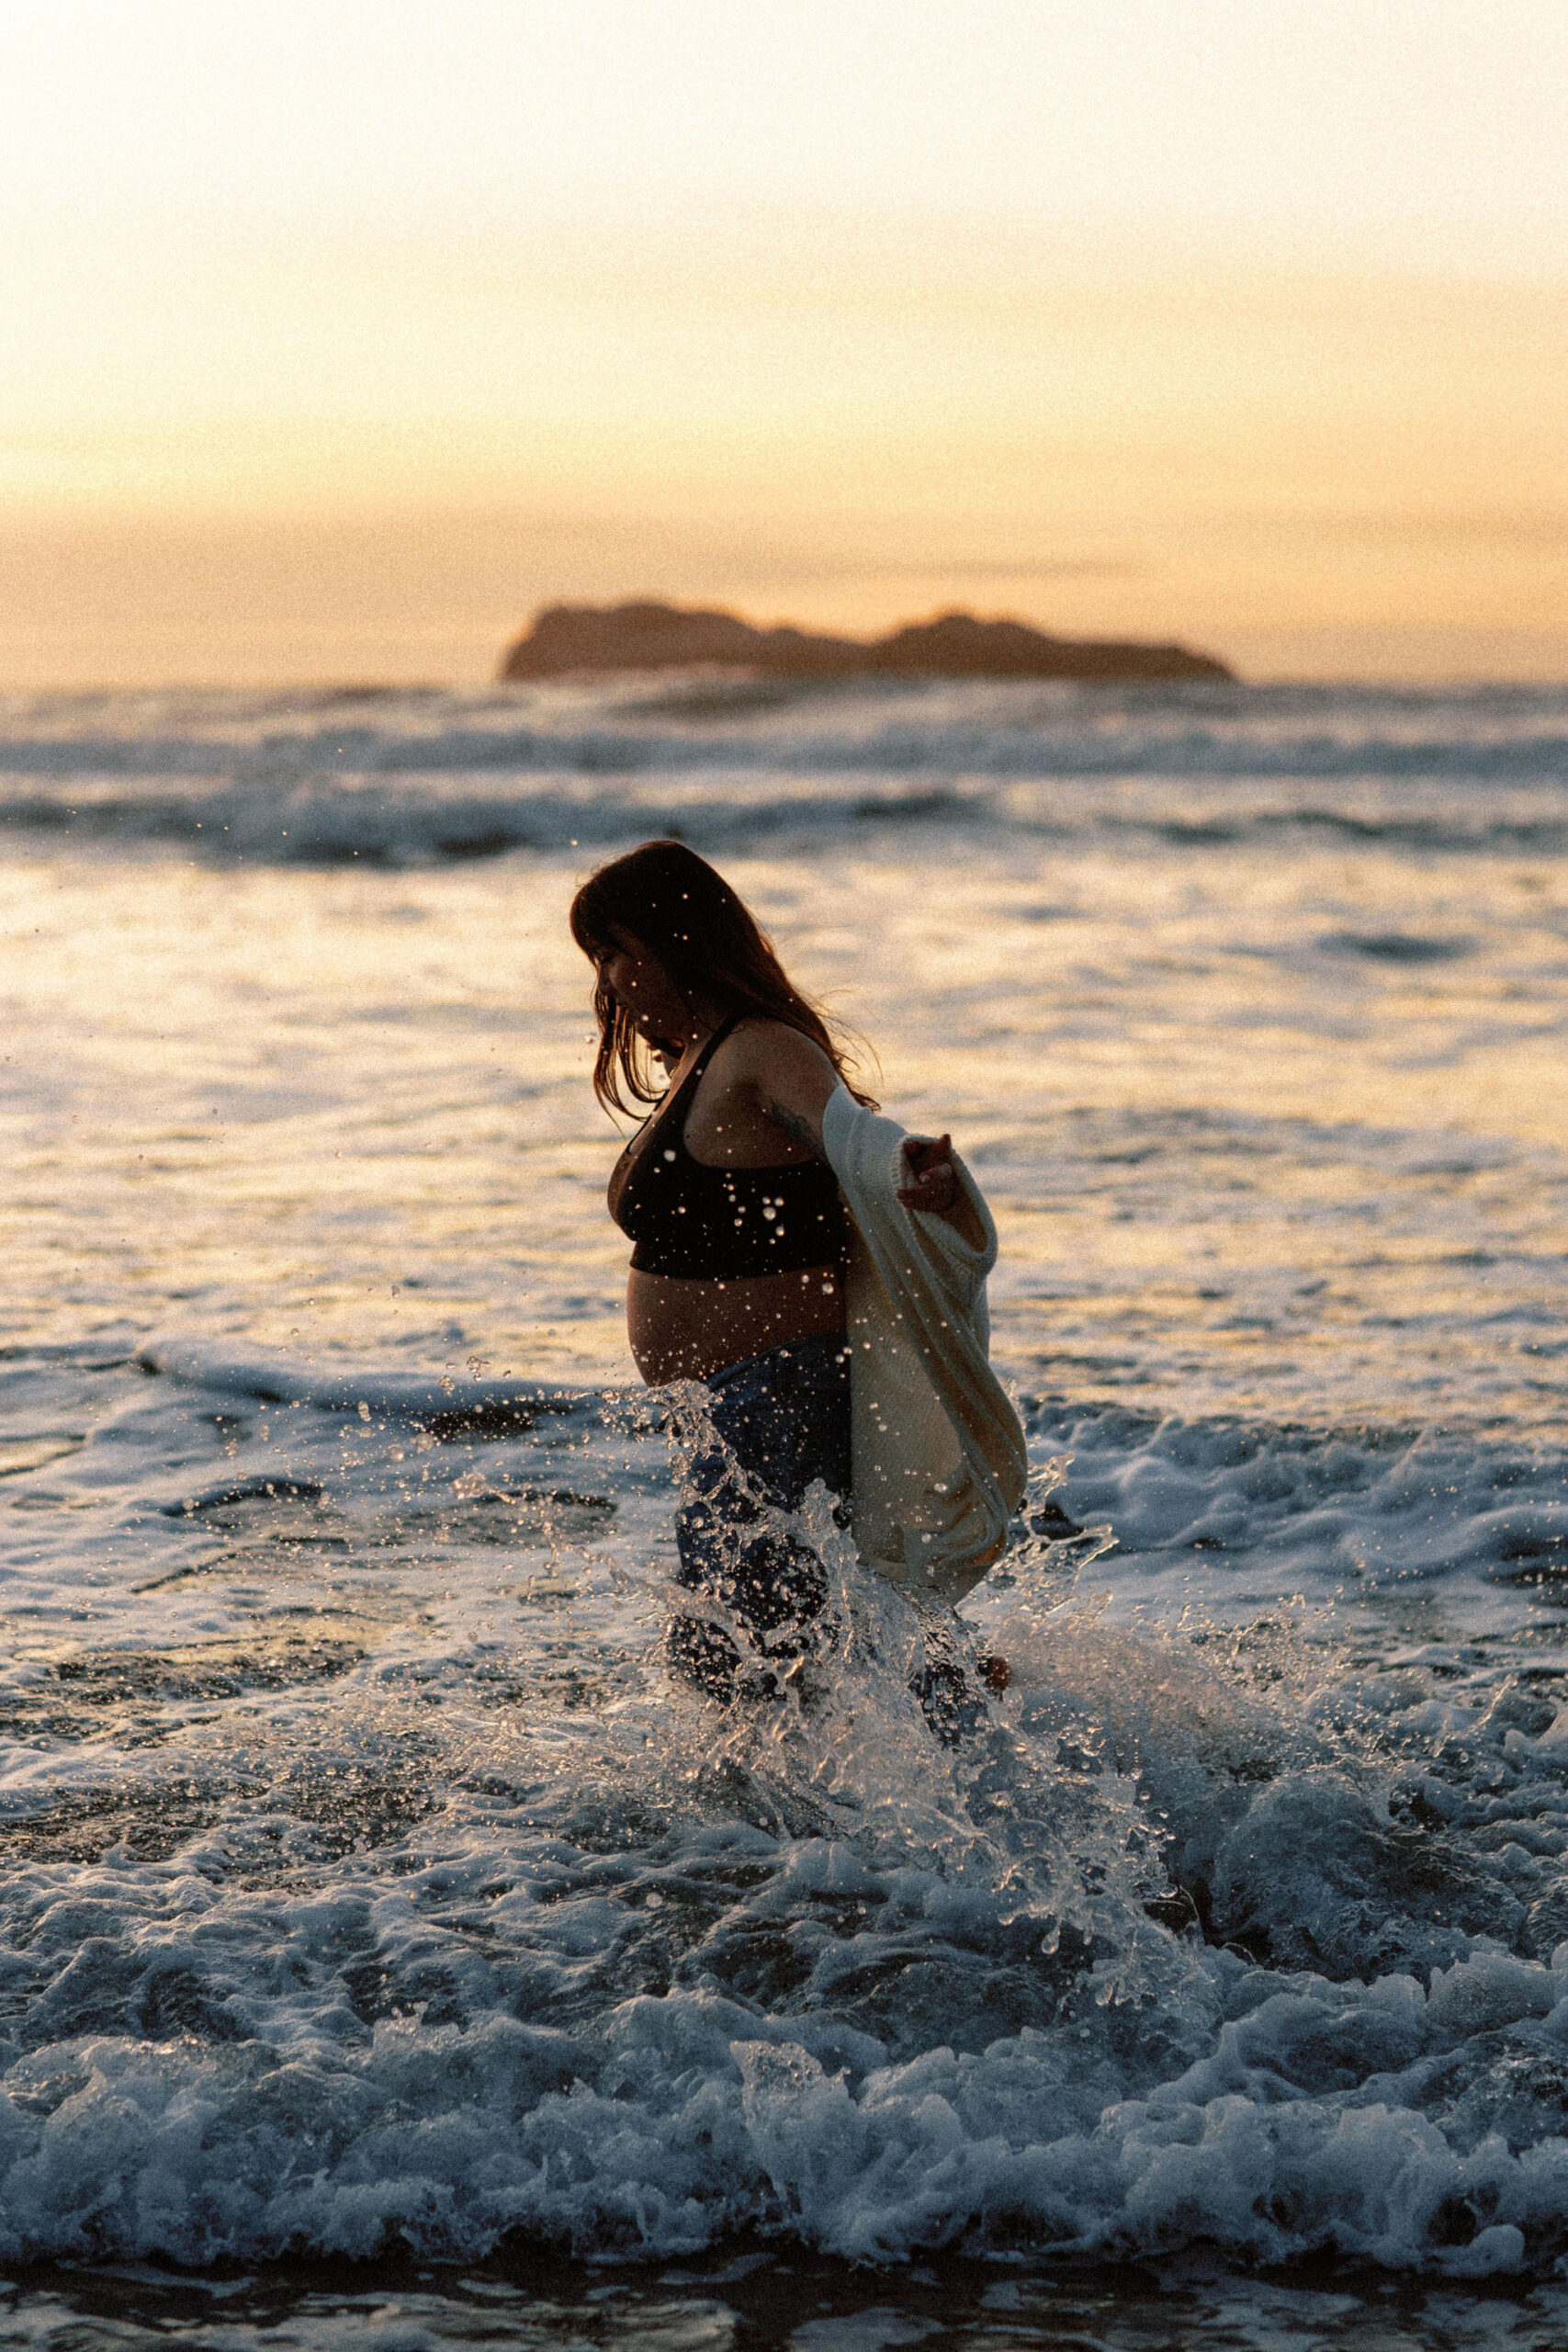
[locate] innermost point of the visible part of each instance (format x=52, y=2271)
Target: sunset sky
x=340, y=334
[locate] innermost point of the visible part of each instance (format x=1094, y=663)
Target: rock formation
x=567, y=640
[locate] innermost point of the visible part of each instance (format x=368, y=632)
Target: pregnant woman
x=794, y=1253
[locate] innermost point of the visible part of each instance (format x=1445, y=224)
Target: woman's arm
x=795, y=1079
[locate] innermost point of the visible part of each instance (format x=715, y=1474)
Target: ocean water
x=370, y=1898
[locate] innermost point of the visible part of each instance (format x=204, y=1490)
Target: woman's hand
x=933, y=1181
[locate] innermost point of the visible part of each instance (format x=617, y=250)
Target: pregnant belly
x=687, y=1330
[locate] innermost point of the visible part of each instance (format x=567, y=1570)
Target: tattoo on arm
x=797, y=1128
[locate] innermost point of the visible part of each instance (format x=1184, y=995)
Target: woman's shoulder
x=757, y=1042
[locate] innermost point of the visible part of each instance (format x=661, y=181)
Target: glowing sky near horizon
x=338, y=335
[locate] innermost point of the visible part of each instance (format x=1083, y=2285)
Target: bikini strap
x=681, y=1096
x=708, y=1051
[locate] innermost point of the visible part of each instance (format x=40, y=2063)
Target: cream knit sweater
x=937, y=1457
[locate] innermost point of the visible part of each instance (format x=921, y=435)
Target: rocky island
x=565, y=640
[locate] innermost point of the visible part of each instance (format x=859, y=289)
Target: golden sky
x=340, y=334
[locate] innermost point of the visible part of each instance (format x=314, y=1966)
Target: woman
x=738, y=1275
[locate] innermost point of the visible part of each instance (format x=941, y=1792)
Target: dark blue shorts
x=776, y=1422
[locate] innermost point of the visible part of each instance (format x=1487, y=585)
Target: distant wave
x=429, y=1398
x=324, y=824
x=394, y=778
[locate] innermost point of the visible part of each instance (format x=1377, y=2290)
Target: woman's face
x=641, y=984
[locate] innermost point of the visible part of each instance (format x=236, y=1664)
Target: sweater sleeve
x=937, y=1456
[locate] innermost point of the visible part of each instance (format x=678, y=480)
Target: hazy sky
x=337, y=336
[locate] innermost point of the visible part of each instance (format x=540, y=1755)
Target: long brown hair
x=672, y=903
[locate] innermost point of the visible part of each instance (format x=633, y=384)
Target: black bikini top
x=703, y=1223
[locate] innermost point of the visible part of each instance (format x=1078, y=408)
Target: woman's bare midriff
x=685, y=1329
